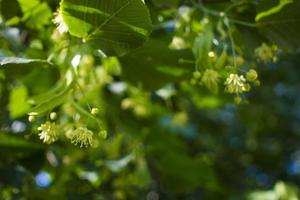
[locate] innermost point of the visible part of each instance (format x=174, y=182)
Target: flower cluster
x=236, y=84
x=210, y=79
x=82, y=136
x=48, y=132
x=266, y=53
x=138, y=102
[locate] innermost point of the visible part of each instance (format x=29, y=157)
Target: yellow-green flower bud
x=88, y=60
x=211, y=54
x=238, y=100
x=31, y=118
x=95, y=111
x=257, y=83
x=251, y=75
x=53, y=116
x=196, y=74
x=239, y=60
x=193, y=81
x=247, y=87
x=103, y=134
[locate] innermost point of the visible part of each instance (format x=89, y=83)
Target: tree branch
x=214, y=1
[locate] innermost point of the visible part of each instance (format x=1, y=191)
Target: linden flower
x=235, y=84
x=82, y=136
x=265, y=53
x=210, y=79
x=61, y=25
x=48, y=132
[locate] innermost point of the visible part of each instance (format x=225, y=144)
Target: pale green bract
x=114, y=26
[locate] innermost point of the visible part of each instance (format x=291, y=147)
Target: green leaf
x=54, y=101
x=8, y=141
x=18, y=105
x=281, y=27
x=36, y=14
x=166, y=3
x=114, y=26
x=155, y=65
x=14, y=66
x=202, y=45
x=9, y=9
x=40, y=98
x=178, y=171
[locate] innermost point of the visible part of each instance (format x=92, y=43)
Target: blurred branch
x=213, y=1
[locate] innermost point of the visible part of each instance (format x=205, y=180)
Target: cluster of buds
x=266, y=53
x=209, y=78
x=49, y=132
x=236, y=84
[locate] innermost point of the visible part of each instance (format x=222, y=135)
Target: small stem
x=226, y=22
x=243, y=23
x=75, y=74
x=181, y=60
x=234, y=5
x=219, y=14
x=82, y=92
x=87, y=114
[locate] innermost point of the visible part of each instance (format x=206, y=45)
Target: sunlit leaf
x=114, y=26
x=18, y=104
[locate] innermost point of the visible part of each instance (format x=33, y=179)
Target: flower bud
x=251, y=75
x=95, y=111
x=238, y=100
x=193, y=81
x=103, y=134
x=31, y=118
x=53, y=116
x=196, y=74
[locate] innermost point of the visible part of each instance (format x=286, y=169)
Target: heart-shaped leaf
x=114, y=26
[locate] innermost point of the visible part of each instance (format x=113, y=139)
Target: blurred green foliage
x=153, y=99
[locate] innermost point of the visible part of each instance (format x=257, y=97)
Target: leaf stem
x=226, y=22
